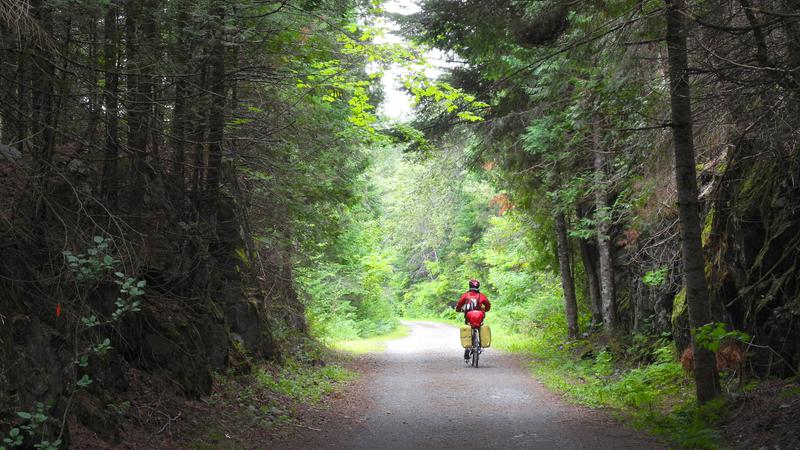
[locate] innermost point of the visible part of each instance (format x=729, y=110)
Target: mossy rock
x=93, y=414
x=681, y=332
x=179, y=348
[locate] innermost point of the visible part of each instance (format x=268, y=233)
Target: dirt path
x=421, y=395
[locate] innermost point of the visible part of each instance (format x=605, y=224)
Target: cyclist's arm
x=460, y=303
x=486, y=305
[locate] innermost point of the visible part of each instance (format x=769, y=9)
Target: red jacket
x=479, y=299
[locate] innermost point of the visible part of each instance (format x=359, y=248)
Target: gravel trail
x=421, y=395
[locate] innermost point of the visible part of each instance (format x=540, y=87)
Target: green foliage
x=644, y=348
x=429, y=297
x=345, y=291
x=301, y=382
x=692, y=425
x=92, y=265
x=790, y=392
x=131, y=291
x=658, y=396
x=655, y=277
x=678, y=306
x=35, y=426
x=89, y=268
x=446, y=98
x=712, y=335
x=431, y=226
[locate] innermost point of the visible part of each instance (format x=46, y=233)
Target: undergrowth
x=655, y=395
x=303, y=383
x=275, y=394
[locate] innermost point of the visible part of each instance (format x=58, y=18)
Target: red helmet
x=474, y=284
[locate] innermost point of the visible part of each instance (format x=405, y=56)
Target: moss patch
x=678, y=306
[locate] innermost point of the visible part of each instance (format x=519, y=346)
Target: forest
x=204, y=198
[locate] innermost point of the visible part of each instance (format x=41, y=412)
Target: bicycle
x=476, y=350
x=474, y=318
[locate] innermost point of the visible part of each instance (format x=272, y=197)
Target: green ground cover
x=371, y=344
x=304, y=383
x=657, y=396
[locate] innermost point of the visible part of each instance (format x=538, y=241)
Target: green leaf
x=89, y=321
x=655, y=277
x=24, y=415
x=84, y=381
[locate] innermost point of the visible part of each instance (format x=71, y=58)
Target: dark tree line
x=182, y=144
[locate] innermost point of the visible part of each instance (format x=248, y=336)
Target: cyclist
x=471, y=300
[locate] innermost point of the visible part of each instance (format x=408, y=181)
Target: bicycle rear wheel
x=476, y=347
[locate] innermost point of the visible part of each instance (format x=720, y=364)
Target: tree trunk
x=23, y=103
x=593, y=283
x=216, y=114
x=588, y=257
x=180, y=121
x=567, y=282
x=792, y=30
x=603, y=216
x=111, y=100
x=199, y=109
x=42, y=82
x=138, y=102
x=156, y=128
x=151, y=169
x=95, y=95
x=8, y=129
x=705, y=370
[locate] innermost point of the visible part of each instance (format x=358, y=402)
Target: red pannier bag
x=475, y=317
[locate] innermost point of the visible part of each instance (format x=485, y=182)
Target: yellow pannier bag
x=466, y=337
x=486, y=336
